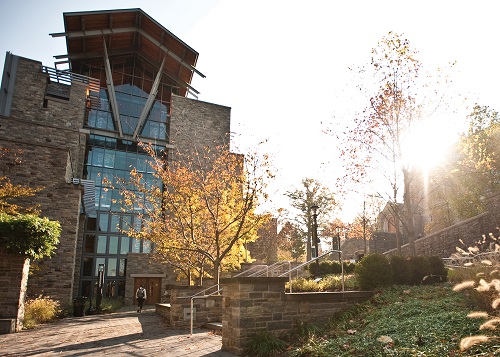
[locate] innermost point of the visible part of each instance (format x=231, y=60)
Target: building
x=127, y=81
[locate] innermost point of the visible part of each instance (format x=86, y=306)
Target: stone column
x=251, y=305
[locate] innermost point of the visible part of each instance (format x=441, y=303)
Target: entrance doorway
x=153, y=289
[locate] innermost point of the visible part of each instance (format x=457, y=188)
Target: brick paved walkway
x=119, y=334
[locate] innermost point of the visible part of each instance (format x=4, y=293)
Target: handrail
x=269, y=269
x=255, y=267
x=196, y=296
x=312, y=260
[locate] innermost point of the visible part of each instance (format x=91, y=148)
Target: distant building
x=128, y=82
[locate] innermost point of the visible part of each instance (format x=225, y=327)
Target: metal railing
x=271, y=270
x=252, y=270
x=468, y=260
x=289, y=273
x=199, y=295
x=67, y=77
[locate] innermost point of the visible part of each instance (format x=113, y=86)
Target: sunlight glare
x=427, y=144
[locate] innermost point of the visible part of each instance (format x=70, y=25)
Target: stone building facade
x=71, y=128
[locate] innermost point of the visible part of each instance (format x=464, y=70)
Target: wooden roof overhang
x=127, y=35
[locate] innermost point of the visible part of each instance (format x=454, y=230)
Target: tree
x=374, y=146
x=206, y=211
x=311, y=193
x=291, y=242
x=471, y=170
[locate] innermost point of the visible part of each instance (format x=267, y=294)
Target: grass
x=400, y=321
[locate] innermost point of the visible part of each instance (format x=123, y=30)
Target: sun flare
x=426, y=145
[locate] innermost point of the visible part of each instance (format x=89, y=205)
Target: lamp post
x=315, y=240
x=100, y=285
x=336, y=240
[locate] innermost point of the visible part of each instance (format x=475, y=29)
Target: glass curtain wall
x=112, y=158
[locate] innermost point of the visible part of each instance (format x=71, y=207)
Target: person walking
x=141, y=296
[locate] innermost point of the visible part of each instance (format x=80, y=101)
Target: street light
x=315, y=241
x=100, y=285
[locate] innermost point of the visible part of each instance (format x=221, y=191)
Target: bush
x=419, y=267
x=373, y=271
x=40, y=310
x=264, y=343
x=400, y=269
x=438, y=272
x=327, y=267
x=328, y=283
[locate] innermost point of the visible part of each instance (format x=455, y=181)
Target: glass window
x=97, y=157
x=91, y=224
x=115, y=223
x=86, y=288
x=110, y=289
x=105, y=202
x=121, y=288
x=98, y=262
x=146, y=246
x=101, y=244
x=126, y=222
x=124, y=245
x=109, y=158
x=89, y=244
x=136, y=245
x=87, y=266
x=103, y=222
x=122, y=267
x=113, y=245
x=111, y=267
x=120, y=162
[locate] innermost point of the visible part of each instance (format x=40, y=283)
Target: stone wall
x=207, y=309
x=261, y=304
x=465, y=234
x=13, y=283
x=44, y=133
x=198, y=124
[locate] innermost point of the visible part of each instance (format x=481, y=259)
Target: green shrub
x=40, y=310
x=438, y=272
x=327, y=267
x=334, y=283
x=400, y=269
x=373, y=271
x=419, y=267
x=327, y=283
x=302, y=285
x=264, y=343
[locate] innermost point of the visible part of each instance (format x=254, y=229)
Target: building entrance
x=153, y=289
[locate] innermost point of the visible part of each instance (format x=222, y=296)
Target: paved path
x=126, y=333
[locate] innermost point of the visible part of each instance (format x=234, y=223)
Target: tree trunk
x=410, y=229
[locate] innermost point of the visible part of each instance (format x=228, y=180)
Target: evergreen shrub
x=438, y=272
x=419, y=268
x=400, y=269
x=373, y=271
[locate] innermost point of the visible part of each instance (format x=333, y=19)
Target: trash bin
x=79, y=306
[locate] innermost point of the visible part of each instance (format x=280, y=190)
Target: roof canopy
x=129, y=33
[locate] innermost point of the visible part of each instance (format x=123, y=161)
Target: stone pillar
x=251, y=305
x=14, y=271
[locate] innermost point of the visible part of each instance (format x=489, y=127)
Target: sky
x=285, y=66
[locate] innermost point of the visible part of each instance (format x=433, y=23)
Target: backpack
x=140, y=293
